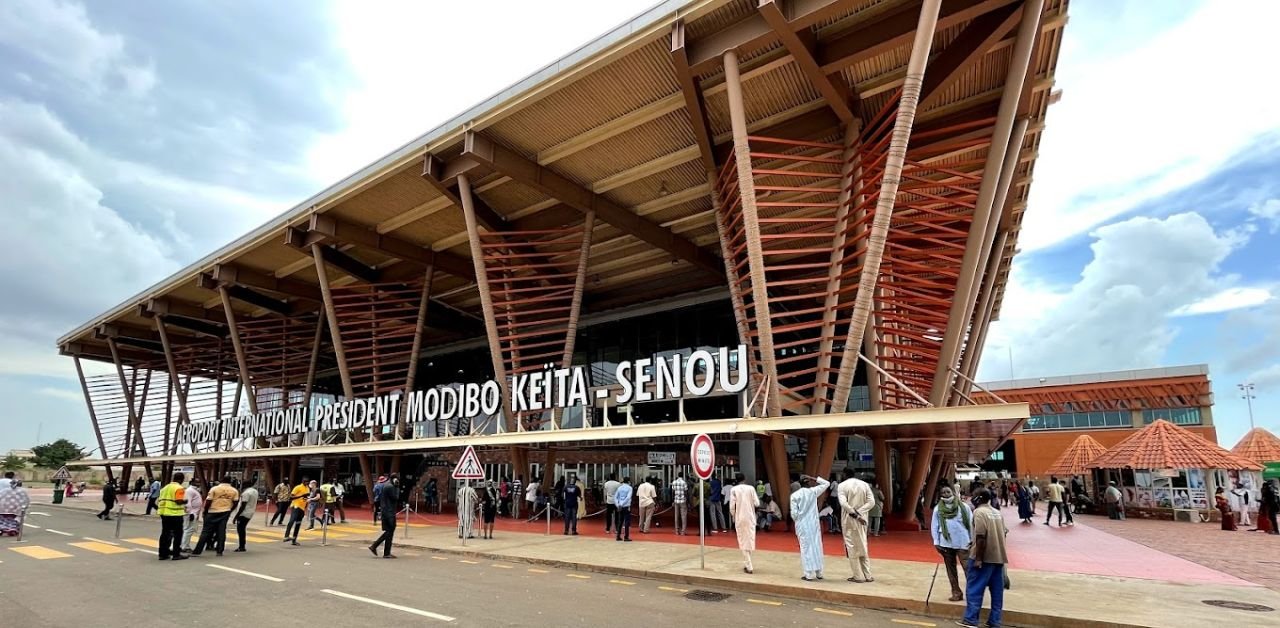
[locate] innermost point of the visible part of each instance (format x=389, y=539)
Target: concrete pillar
x=747, y=457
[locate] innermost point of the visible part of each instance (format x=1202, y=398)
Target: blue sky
x=135, y=140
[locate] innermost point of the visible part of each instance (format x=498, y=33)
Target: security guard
x=330, y=498
x=170, y=505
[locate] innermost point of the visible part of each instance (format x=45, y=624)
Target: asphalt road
x=72, y=571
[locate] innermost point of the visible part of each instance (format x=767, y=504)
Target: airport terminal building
x=785, y=224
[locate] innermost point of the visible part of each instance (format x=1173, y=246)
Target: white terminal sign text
x=646, y=379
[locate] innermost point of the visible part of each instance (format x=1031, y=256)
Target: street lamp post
x=1246, y=391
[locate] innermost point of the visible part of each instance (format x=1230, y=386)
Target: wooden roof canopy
x=627, y=127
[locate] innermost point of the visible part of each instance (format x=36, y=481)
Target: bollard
x=22, y=524
x=324, y=528
x=119, y=518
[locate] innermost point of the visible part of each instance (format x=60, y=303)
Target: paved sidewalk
x=1073, y=576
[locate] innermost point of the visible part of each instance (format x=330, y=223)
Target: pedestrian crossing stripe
x=469, y=467
x=101, y=548
x=143, y=541
x=39, y=552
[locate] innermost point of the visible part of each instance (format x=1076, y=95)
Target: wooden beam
x=443, y=176
x=754, y=32
x=335, y=230
x=801, y=45
x=694, y=101
x=894, y=29
x=311, y=243
x=966, y=50
x=551, y=183
x=232, y=274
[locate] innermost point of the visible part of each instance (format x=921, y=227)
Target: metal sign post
x=702, y=457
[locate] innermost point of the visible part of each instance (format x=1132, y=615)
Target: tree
x=13, y=463
x=55, y=454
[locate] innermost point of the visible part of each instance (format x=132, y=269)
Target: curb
x=944, y=610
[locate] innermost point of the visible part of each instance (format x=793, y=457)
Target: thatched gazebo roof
x=1075, y=460
x=1163, y=445
x=1258, y=445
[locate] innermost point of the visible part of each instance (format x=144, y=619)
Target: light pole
x=1246, y=391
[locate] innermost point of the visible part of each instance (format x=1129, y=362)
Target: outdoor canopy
x=1163, y=445
x=1075, y=460
x=1258, y=445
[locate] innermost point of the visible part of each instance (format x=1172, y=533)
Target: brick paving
x=1252, y=556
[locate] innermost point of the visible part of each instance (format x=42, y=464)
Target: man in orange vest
x=171, y=504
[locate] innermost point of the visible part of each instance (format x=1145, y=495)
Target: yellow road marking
x=439, y=558
x=913, y=623
x=578, y=576
x=40, y=553
x=501, y=566
x=89, y=538
x=673, y=589
x=532, y=570
x=769, y=602
x=143, y=541
x=469, y=562
x=621, y=582
x=101, y=548
x=833, y=612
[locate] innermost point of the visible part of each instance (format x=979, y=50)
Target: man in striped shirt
x=680, y=503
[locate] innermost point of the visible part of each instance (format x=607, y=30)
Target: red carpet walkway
x=1075, y=549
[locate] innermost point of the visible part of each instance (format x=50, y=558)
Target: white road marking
x=41, y=514
x=247, y=573
x=146, y=551
x=58, y=532
x=30, y=525
x=413, y=611
x=89, y=538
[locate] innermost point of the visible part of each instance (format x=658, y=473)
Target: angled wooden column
x=897, y=154
x=135, y=428
x=850, y=174
x=575, y=304
x=751, y=225
x=486, y=299
x=308, y=389
x=175, y=385
x=884, y=477
x=242, y=362
x=170, y=444
x=983, y=229
x=93, y=416
x=419, y=325
x=830, y=444
x=936, y=466
x=331, y=314
x=919, y=473
x=730, y=272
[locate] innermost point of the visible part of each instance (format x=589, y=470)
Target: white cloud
x=1268, y=211
x=65, y=394
x=1230, y=299
x=1117, y=315
x=403, y=92
x=1133, y=122
x=61, y=36
x=1267, y=378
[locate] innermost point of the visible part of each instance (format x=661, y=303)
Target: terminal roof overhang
x=962, y=432
x=616, y=127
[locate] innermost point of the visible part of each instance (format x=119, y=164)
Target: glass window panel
x=1051, y=422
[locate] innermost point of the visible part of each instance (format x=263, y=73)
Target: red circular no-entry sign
x=702, y=456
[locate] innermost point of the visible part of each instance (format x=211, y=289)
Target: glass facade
x=1078, y=420
x=1177, y=416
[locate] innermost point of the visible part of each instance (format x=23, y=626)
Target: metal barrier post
x=324, y=528
x=22, y=523
x=119, y=518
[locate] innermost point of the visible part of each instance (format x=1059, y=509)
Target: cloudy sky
x=135, y=140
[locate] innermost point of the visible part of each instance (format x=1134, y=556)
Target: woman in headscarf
x=13, y=505
x=1224, y=509
x=1024, y=503
x=952, y=530
x=488, y=510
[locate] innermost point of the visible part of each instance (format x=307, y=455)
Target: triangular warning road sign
x=469, y=467
x=62, y=474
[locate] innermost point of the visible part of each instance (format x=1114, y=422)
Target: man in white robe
x=1240, y=502
x=856, y=501
x=467, y=502
x=743, y=502
x=804, y=511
